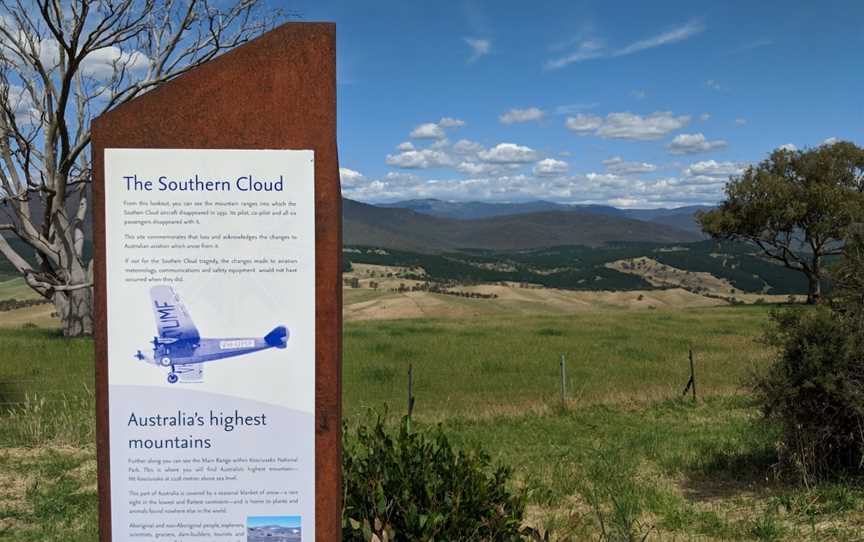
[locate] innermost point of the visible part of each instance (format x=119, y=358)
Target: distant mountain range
x=434, y=226
x=681, y=217
x=274, y=533
x=431, y=225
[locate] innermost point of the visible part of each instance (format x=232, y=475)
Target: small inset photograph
x=274, y=529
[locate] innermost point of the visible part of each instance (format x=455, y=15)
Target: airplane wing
x=172, y=318
x=190, y=373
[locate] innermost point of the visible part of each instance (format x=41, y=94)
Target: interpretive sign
x=217, y=251
x=211, y=338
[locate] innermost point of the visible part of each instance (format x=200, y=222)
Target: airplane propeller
x=139, y=356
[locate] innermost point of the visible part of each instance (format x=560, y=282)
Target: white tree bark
x=63, y=62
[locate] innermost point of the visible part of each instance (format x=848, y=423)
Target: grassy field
x=501, y=366
x=39, y=315
x=625, y=451
x=15, y=288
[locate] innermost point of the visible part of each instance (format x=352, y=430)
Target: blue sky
x=637, y=104
x=283, y=521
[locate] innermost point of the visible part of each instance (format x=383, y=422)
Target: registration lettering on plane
x=237, y=343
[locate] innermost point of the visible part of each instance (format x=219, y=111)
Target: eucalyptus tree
x=797, y=206
x=63, y=62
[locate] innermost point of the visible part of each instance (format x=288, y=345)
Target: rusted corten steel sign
x=218, y=318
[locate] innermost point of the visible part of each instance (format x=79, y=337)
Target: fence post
x=693, y=375
x=563, y=380
x=691, y=384
x=410, y=393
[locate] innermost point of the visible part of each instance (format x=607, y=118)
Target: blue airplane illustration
x=180, y=346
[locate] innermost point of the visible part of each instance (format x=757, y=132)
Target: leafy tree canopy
x=797, y=206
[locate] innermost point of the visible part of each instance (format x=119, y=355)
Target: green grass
x=15, y=288
x=486, y=367
x=625, y=457
x=48, y=495
x=628, y=465
x=39, y=315
x=46, y=389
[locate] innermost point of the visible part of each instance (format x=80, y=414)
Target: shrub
x=848, y=278
x=815, y=388
x=409, y=485
x=815, y=391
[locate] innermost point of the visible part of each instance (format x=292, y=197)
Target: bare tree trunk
x=75, y=305
x=814, y=291
x=75, y=309
x=59, y=67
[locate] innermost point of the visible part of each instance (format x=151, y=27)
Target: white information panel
x=211, y=344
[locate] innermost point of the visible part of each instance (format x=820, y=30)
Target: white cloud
x=626, y=125
x=490, y=184
x=583, y=124
x=392, y=186
x=693, y=143
x=788, y=147
x=349, y=177
x=740, y=122
x=619, y=166
x=476, y=169
x=594, y=47
x=429, y=130
x=522, y=115
x=100, y=64
x=449, y=122
x=419, y=159
x=681, y=33
x=830, y=141
x=713, y=85
x=22, y=106
x=479, y=48
x=712, y=168
x=467, y=170
x=465, y=146
x=435, y=130
x=704, y=116
x=586, y=50
x=550, y=167
x=625, y=203
x=508, y=153
x=630, y=126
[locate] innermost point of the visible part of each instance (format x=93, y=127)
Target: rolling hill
x=473, y=210
x=733, y=267
x=406, y=229
x=681, y=217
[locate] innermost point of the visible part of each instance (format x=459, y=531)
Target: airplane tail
x=277, y=338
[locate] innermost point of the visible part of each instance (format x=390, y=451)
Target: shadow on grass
x=725, y=473
x=9, y=395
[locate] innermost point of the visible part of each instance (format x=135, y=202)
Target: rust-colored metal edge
x=276, y=92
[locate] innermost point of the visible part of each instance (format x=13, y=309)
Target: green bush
x=815, y=388
x=848, y=278
x=405, y=485
x=815, y=391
